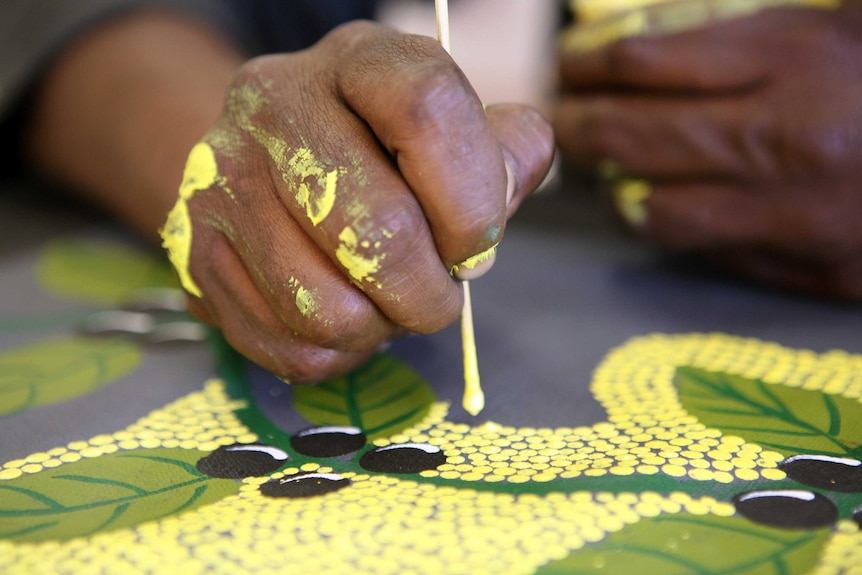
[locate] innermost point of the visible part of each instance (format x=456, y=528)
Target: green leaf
x=105, y=493
x=381, y=398
x=51, y=372
x=100, y=273
x=788, y=420
x=697, y=545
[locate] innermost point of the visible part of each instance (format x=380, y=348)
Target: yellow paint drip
x=474, y=397
x=359, y=267
x=200, y=173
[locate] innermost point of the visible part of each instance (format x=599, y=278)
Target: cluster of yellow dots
x=378, y=524
x=203, y=420
x=843, y=554
x=648, y=431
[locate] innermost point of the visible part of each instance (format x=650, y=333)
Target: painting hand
x=323, y=213
x=747, y=132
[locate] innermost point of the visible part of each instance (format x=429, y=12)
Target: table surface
x=567, y=293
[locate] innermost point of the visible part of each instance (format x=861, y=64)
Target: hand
x=323, y=213
x=748, y=132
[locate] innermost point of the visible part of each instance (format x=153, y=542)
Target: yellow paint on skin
x=306, y=303
x=358, y=266
x=472, y=262
x=630, y=198
x=317, y=186
x=201, y=172
x=316, y=191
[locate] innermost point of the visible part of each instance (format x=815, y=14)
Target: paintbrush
x=474, y=398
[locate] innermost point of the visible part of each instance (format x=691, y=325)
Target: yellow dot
x=32, y=468
x=70, y=457
x=773, y=474
x=310, y=466
x=10, y=473
x=38, y=458
x=674, y=470
x=101, y=440
x=746, y=474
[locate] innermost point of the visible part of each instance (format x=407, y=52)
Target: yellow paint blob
x=200, y=173
x=630, y=198
x=359, y=267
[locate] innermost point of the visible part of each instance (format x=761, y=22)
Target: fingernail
x=630, y=198
x=511, y=183
x=476, y=266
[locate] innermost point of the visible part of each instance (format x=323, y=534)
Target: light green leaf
x=55, y=371
x=788, y=420
x=100, y=273
x=381, y=398
x=697, y=545
x=108, y=492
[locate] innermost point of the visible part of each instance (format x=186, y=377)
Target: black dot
x=304, y=485
x=328, y=441
x=857, y=516
x=787, y=508
x=407, y=458
x=242, y=460
x=825, y=472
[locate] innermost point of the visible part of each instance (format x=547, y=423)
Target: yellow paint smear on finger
x=318, y=199
x=200, y=173
x=471, y=262
x=306, y=303
x=358, y=266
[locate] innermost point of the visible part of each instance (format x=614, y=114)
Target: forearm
x=117, y=113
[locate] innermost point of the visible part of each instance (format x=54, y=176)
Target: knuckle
x=604, y=136
x=628, y=59
x=350, y=324
x=435, y=91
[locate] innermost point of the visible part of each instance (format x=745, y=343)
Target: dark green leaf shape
x=55, y=371
x=697, y=545
x=100, y=273
x=788, y=420
x=381, y=398
x=105, y=493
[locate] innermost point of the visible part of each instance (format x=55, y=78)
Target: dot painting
x=694, y=452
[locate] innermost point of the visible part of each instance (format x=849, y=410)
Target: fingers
x=702, y=216
x=254, y=327
x=527, y=141
x=715, y=58
x=426, y=115
x=669, y=137
x=837, y=279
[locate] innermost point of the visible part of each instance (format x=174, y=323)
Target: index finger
x=692, y=45
x=429, y=119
